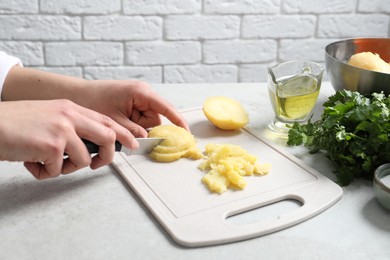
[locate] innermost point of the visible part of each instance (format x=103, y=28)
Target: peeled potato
x=369, y=61
x=225, y=113
x=178, y=143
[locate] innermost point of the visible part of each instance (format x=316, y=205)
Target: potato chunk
x=227, y=164
x=225, y=113
x=215, y=181
x=178, y=143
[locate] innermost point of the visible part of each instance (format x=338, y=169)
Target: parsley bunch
x=354, y=133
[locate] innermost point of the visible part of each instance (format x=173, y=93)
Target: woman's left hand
x=133, y=104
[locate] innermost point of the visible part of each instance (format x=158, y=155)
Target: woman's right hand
x=39, y=133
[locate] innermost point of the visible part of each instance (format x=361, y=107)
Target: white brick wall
x=181, y=40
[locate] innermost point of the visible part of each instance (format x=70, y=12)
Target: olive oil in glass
x=295, y=97
x=294, y=94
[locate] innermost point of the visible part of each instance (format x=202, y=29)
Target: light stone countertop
x=95, y=215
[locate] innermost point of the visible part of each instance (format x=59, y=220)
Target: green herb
x=354, y=132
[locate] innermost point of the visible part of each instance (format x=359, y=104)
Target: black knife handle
x=94, y=148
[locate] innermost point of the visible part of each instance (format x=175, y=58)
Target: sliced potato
x=175, y=136
x=225, y=113
x=167, y=157
x=171, y=149
x=193, y=153
x=178, y=143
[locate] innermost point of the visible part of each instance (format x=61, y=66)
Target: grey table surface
x=95, y=215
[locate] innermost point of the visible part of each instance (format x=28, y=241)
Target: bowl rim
x=378, y=175
x=355, y=39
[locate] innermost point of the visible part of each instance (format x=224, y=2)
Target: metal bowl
x=344, y=76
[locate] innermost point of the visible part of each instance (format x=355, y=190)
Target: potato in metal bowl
x=345, y=76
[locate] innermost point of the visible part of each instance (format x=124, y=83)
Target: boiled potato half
x=225, y=113
x=178, y=143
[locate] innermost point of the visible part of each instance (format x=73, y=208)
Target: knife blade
x=146, y=145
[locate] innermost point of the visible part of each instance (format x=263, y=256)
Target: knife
x=146, y=145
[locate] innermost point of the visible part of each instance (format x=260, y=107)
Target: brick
x=122, y=28
x=19, y=7
x=303, y=49
x=372, y=6
x=148, y=74
x=253, y=72
x=318, y=6
x=69, y=71
x=185, y=27
x=80, y=6
x=34, y=27
x=239, y=51
x=161, y=53
x=200, y=74
x=241, y=7
x=30, y=53
x=335, y=26
x=278, y=26
x=83, y=53
x=161, y=6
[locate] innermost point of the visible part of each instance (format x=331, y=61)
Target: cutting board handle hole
x=266, y=212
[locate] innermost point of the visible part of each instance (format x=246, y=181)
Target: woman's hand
x=133, y=104
x=39, y=133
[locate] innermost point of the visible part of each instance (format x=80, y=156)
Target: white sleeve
x=6, y=63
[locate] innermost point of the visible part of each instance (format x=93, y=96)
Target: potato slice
x=172, y=149
x=167, y=157
x=178, y=143
x=193, y=153
x=225, y=113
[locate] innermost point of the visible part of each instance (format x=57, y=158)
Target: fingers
x=70, y=124
x=55, y=164
x=38, y=170
x=167, y=110
x=103, y=131
x=143, y=121
x=77, y=155
x=152, y=105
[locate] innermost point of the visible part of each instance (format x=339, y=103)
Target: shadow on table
x=20, y=192
x=377, y=215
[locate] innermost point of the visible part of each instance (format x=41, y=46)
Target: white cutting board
x=194, y=216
